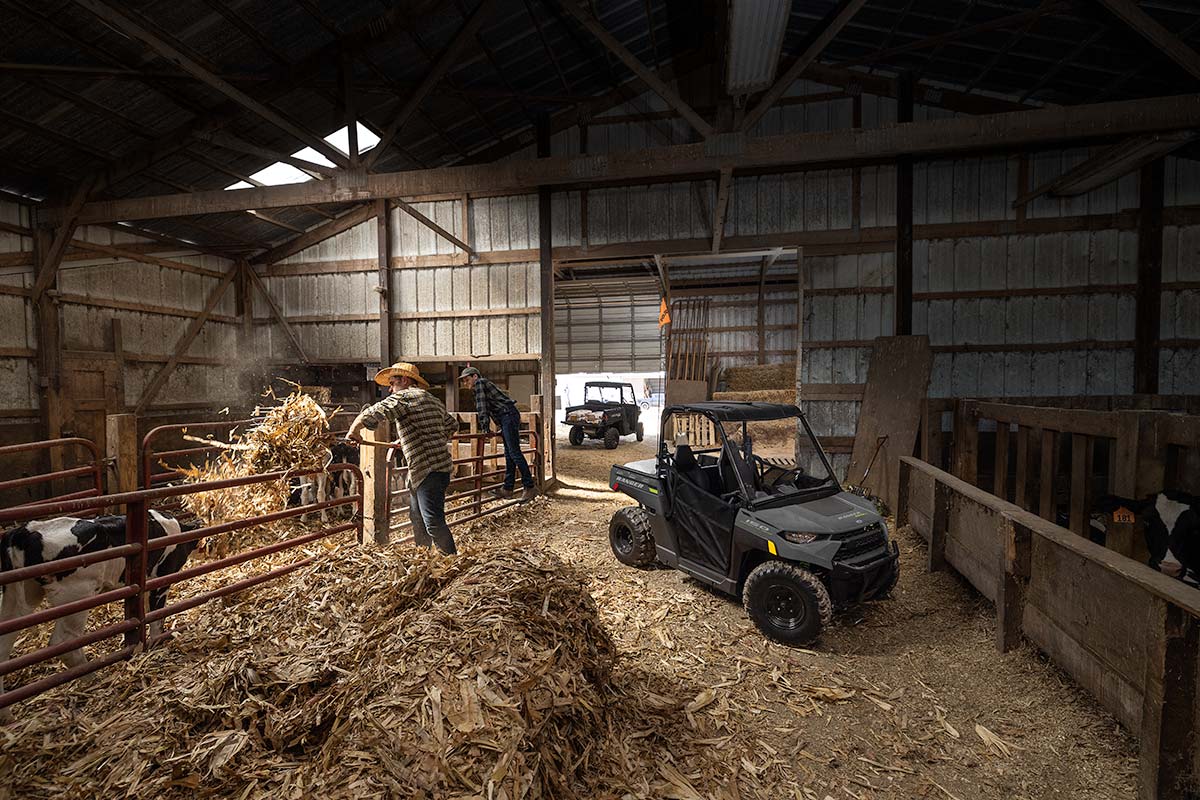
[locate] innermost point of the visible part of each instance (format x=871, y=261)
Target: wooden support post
x=1147, y=324
x=1010, y=596
x=374, y=463
x=545, y=248
x=1079, y=479
x=451, y=388
x=121, y=442
x=939, y=525
x=119, y=360
x=1021, y=479
x=966, y=441
x=383, y=257
x=1168, y=728
x=904, y=215
x=537, y=407
x=1049, y=467
x=1000, y=468
x=905, y=479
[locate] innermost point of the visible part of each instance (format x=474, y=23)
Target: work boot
x=503, y=492
x=529, y=493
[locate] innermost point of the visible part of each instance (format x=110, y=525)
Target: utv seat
x=734, y=464
x=691, y=469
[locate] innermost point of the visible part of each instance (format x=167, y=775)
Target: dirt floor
x=905, y=698
x=898, y=699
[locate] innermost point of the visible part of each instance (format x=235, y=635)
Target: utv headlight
x=796, y=537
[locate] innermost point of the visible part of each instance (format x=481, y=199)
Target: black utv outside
x=610, y=410
x=784, y=537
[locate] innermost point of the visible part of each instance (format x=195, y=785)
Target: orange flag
x=664, y=316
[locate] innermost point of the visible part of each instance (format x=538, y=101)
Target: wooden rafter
x=1150, y=29
x=408, y=208
x=275, y=311
x=718, y=225
x=836, y=21
x=48, y=268
x=185, y=341
x=445, y=61
x=171, y=52
x=647, y=75
x=316, y=235
x=237, y=145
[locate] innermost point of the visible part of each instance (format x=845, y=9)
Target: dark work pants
x=510, y=430
x=427, y=510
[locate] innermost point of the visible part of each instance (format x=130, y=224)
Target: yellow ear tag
x=1124, y=515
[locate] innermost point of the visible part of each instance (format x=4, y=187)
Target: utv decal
x=771, y=548
x=852, y=515
x=758, y=526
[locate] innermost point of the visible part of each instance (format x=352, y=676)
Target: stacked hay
x=396, y=673
x=778, y=435
x=757, y=377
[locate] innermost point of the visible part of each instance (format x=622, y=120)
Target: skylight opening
x=279, y=173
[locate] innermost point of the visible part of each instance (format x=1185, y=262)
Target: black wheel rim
x=784, y=606
x=623, y=540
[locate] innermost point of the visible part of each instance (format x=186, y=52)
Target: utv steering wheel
x=786, y=476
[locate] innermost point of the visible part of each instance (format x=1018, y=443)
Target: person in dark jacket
x=492, y=404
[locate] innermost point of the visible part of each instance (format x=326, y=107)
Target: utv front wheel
x=641, y=431
x=631, y=537
x=787, y=603
x=575, y=436
x=612, y=437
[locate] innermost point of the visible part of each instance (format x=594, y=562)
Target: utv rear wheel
x=641, y=431
x=575, y=436
x=612, y=437
x=631, y=537
x=787, y=603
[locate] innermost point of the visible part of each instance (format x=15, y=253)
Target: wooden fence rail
x=1126, y=633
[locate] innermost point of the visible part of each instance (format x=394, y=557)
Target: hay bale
x=757, y=377
x=482, y=675
x=787, y=396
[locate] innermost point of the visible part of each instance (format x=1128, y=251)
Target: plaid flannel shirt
x=491, y=403
x=420, y=422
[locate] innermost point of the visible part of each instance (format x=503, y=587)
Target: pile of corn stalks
x=486, y=675
x=290, y=437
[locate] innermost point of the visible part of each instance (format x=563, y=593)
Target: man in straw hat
x=491, y=403
x=423, y=428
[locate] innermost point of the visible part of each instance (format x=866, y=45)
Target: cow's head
x=1162, y=519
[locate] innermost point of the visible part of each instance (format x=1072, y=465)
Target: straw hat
x=401, y=368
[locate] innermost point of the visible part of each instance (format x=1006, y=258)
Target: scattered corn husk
x=439, y=677
x=291, y=437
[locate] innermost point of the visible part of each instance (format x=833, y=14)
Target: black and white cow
x=41, y=541
x=1171, y=522
x=324, y=485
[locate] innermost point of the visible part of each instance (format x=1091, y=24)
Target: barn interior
x=962, y=236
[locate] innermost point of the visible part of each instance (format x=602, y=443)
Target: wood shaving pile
x=481, y=675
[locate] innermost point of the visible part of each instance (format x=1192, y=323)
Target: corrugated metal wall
x=615, y=333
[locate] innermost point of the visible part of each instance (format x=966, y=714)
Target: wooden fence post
x=905, y=478
x=1000, y=468
x=1047, y=472
x=1010, y=592
x=966, y=441
x=121, y=442
x=1168, y=728
x=1021, y=493
x=376, y=525
x=938, y=526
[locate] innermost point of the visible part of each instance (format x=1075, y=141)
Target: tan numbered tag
x=1124, y=515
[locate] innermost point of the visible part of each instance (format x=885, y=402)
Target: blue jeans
x=427, y=510
x=510, y=429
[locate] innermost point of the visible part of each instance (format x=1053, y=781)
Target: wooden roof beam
x=441, y=67
x=1044, y=128
x=1150, y=29
x=718, y=225
x=832, y=27
x=317, y=235
x=170, y=51
x=647, y=75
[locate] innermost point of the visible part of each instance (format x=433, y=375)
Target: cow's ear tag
x=1124, y=515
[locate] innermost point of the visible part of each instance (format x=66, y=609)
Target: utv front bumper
x=854, y=581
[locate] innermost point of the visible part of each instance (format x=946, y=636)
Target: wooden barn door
x=89, y=393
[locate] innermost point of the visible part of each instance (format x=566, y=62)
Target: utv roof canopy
x=730, y=411
x=615, y=384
